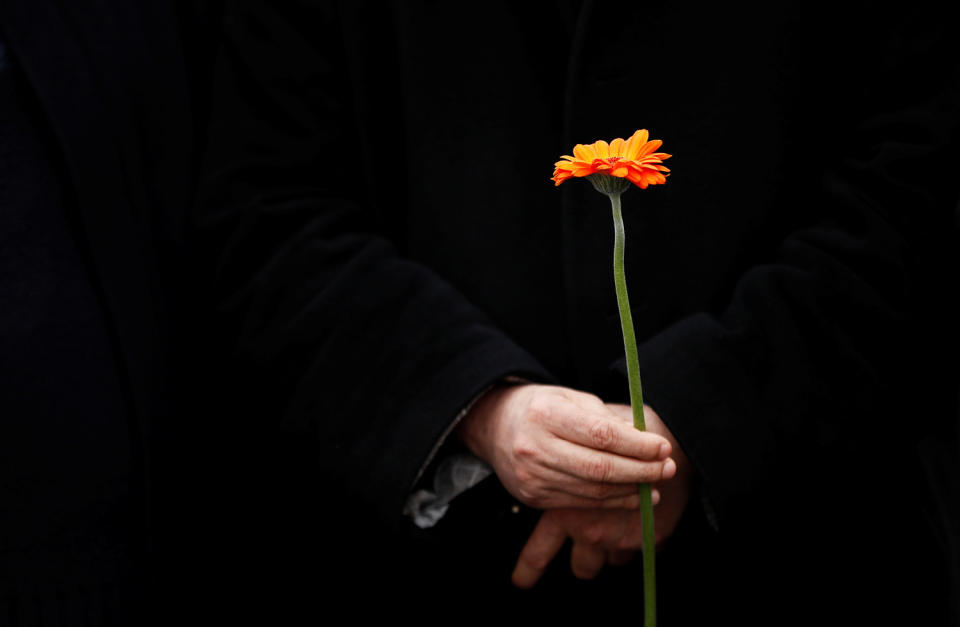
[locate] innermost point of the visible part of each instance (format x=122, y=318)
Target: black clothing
x=97, y=153
x=71, y=505
x=785, y=279
x=377, y=239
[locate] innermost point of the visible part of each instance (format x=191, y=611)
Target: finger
x=605, y=431
x=620, y=557
x=595, y=466
x=558, y=499
x=562, y=500
x=556, y=479
x=559, y=489
x=562, y=494
x=586, y=561
x=542, y=546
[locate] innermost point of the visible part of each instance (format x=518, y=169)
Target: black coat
x=118, y=88
x=788, y=282
x=377, y=239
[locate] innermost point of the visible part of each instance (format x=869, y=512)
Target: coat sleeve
x=822, y=354
x=368, y=355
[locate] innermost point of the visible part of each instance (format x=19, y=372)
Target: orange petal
x=584, y=153
x=602, y=149
x=649, y=147
x=638, y=166
x=616, y=147
x=635, y=143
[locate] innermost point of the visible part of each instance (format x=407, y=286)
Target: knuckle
x=524, y=477
x=523, y=449
x=539, y=409
x=530, y=491
x=603, y=435
x=593, y=533
x=599, y=469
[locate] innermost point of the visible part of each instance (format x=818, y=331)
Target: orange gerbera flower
x=633, y=159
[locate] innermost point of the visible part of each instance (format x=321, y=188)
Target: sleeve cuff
x=455, y=472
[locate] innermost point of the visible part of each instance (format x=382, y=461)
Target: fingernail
x=655, y=496
x=669, y=469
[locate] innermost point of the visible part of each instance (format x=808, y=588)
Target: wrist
x=474, y=430
x=477, y=430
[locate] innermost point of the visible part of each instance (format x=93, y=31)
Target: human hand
x=604, y=536
x=557, y=447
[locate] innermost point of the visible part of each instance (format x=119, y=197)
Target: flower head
x=633, y=160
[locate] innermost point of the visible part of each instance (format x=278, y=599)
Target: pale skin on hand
x=555, y=447
x=605, y=536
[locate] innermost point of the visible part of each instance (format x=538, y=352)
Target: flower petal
x=633, y=159
x=584, y=153
x=616, y=147
x=649, y=147
x=635, y=143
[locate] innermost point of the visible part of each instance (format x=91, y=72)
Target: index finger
x=607, y=432
x=542, y=546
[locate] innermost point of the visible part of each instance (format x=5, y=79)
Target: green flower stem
x=636, y=402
